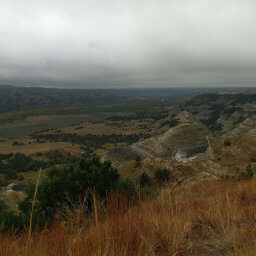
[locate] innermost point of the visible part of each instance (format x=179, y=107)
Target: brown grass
x=206, y=218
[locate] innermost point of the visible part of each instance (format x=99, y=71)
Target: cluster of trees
x=91, y=140
x=161, y=175
x=248, y=173
x=57, y=157
x=170, y=123
x=11, y=164
x=64, y=188
x=155, y=115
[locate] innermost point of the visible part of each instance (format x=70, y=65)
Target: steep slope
x=229, y=155
x=182, y=142
x=179, y=172
x=223, y=112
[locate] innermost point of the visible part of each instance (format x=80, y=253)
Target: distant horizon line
x=233, y=85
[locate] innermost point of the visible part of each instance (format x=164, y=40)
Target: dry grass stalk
x=206, y=218
x=31, y=213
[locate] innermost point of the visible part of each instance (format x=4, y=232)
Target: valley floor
x=207, y=217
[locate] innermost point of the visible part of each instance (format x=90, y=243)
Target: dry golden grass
x=229, y=160
x=207, y=218
x=29, y=149
x=151, y=164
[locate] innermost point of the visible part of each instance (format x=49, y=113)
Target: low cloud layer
x=120, y=43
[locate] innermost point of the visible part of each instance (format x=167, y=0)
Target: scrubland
x=207, y=217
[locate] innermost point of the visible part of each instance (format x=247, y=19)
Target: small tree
x=249, y=171
x=248, y=174
x=144, y=179
x=253, y=159
x=227, y=143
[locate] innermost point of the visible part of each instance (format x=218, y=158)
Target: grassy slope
x=206, y=218
x=136, y=105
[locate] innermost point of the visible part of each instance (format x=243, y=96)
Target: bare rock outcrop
x=182, y=142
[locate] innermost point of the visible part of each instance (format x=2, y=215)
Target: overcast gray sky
x=127, y=43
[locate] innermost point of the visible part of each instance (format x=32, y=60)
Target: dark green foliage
x=227, y=143
x=127, y=188
x=243, y=99
x=229, y=111
x=2, y=183
x=4, y=157
x=211, y=123
x=19, y=162
x=144, y=179
x=253, y=159
x=249, y=172
x=162, y=175
x=170, y=123
x=64, y=187
x=240, y=120
x=16, y=143
x=56, y=157
x=155, y=115
x=10, y=175
x=89, y=139
x=21, y=178
x=9, y=220
x=137, y=162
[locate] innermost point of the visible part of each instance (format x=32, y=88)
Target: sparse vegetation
x=87, y=207
x=227, y=143
x=209, y=218
x=249, y=172
x=253, y=159
x=170, y=123
x=137, y=162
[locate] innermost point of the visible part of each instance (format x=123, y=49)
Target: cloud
x=119, y=43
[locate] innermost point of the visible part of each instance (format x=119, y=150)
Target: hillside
x=14, y=98
x=19, y=98
x=182, y=142
x=223, y=112
x=184, y=182
x=208, y=217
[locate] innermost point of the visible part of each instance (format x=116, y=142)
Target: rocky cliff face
x=249, y=124
x=182, y=142
x=222, y=113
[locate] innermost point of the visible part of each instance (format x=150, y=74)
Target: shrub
x=248, y=174
x=253, y=159
x=144, y=179
x=137, y=162
x=16, y=143
x=64, y=187
x=162, y=175
x=10, y=220
x=127, y=188
x=227, y=143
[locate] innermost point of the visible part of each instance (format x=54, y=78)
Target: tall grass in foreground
x=31, y=213
x=206, y=218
